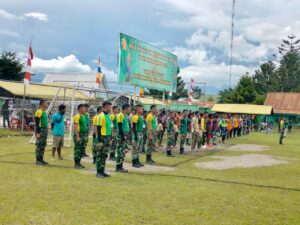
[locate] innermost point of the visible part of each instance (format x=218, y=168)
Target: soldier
x=95, y=142
x=152, y=133
x=171, y=133
x=80, y=130
x=87, y=120
x=183, y=130
x=282, y=127
x=114, y=120
x=145, y=131
x=122, y=138
x=41, y=132
x=138, y=129
x=104, y=139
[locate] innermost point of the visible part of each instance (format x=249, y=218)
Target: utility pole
x=231, y=42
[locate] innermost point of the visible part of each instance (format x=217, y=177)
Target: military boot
x=149, y=159
x=135, y=163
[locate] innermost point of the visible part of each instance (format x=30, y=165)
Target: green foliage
x=197, y=92
x=268, y=78
x=10, y=67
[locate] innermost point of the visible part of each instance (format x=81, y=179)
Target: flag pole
x=24, y=99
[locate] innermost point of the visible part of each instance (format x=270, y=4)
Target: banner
x=145, y=66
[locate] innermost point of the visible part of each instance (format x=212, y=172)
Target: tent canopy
x=41, y=91
x=243, y=109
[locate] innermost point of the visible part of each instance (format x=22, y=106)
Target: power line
x=231, y=43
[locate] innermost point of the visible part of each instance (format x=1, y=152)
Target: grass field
x=59, y=194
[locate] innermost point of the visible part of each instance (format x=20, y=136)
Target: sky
x=68, y=36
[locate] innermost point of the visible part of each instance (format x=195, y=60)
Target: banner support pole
x=23, y=111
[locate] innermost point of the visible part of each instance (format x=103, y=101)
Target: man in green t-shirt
x=87, y=120
x=41, y=132
x=122, y=138
x=104, y=132
x=138, y=133
x=183, y=130
x=114, y=120
x=152, y=133
x=79, y=138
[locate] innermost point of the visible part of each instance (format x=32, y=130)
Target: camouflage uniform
x=79, y=146
x=122, y=146
x=171, y=136
x=145, y=136
x=102, y=152
x=41, y=143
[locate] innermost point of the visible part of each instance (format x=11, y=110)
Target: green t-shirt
x=139, y=122
x=105, y=122
x=183, y=125
x=87, y=119
x=122, y=118
x=153, y=122
x=80, y=120
x=42, y=115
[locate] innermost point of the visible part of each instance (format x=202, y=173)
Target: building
x=85, y=81
x=284, y=104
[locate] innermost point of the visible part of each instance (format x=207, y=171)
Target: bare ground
x=248, y=148
x=244, y=161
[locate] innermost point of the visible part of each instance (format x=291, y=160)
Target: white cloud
x=8, y=15
x=9, y=33
x=36, y=15
x=60, y=64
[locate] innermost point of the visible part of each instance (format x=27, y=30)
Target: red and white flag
x=28, y=71
x=191, y=91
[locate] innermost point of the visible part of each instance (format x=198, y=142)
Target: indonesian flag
x=99, y=74
x=191, y=91
x=28, y=71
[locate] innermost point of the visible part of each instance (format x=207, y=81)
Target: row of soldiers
x=113, y=130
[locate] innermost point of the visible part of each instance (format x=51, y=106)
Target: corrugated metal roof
x=242, y=108
x=284, y=103
x=40, y=91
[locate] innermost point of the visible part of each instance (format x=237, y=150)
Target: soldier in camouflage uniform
x=171, y=133
x=79, y=138
x=122, y=138
x=95, y=120
x=152, y=133
x=41, y=132
x=145, y=137
x=114, y=121
x=137, y=130
x=87, y=124
x=104, y=142
x=183, y=130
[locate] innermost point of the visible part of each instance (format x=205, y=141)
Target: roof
x=242, y=108
x=41, y=91
x=207, y=104
x=146, y=100
x=285, y=103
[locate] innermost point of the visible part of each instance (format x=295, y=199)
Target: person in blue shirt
x=58, y=131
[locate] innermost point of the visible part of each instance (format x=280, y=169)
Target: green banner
x=145, y=66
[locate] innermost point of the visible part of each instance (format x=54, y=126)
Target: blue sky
x=70, y=35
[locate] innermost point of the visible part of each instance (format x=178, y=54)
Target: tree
x=210, y=99
x=289, y=69
x=10, y=67
x=197, y=92
x=265, y=78
x=244, y=91
x=227, y=96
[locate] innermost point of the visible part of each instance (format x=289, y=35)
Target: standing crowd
x=117, y=130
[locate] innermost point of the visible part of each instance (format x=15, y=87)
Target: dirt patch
x=244, y=161
x=146, y=168
x=248, y=148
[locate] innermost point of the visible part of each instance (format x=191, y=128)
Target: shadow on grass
x=175, y=176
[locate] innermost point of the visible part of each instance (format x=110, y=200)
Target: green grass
x=59, y=194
